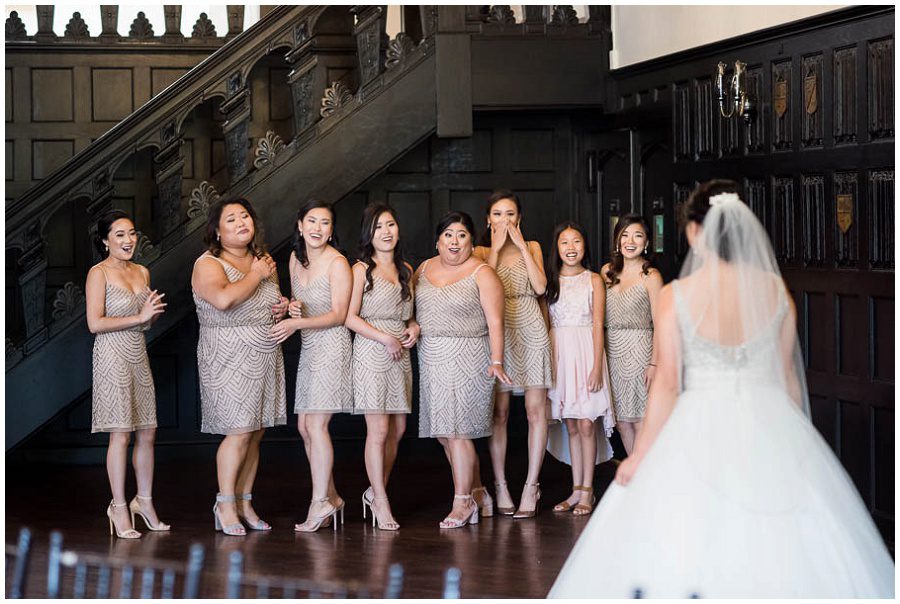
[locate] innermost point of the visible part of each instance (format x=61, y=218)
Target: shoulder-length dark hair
x=214, y=215
x=452, y=217
x=366, y=250
x=555, y=264
x=617, y=260
x=494, y=198
x=299, y=244
x=104, y=224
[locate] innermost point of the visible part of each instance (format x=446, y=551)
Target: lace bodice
x=575, y=304
x=706, y=363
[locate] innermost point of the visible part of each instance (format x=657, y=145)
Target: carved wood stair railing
x=380, y=105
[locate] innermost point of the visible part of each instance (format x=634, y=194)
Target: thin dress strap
x=480, y=266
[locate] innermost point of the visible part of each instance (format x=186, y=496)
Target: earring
x=106, y=247
x=617, y=249
x=645, y=251
x=301, y=234
x=329, y=239
x=218, y=237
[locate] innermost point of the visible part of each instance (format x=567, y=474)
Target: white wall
x=641, y=33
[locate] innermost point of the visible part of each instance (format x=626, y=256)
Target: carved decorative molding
x=45, y=23
x=563, y=14
x=704, y=118
x=881, y=88
x=141, y=28
x=502, y=13
x=144, y=250
x=681, y=99
x=204, y=28
x=266, y=149
x=77, y=29
x=201, y=199
x=881, y=212
x=235, y=20
x=336, y=96
x=811, y=126
x=813, y=223
x=756, y=192
x=846, y=210
x=68, y=300
x=756, y=130
x=15, y=29
x=845, y=95
x=172, y=17
x=398, y=49
x=783, y=218
x=782, y=105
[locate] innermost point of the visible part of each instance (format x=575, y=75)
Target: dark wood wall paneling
x=530, y=153
x=825, y=156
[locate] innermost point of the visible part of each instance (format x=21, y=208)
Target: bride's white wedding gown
x=738, y=497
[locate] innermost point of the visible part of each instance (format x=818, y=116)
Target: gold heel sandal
x=135, y=508
x=537, y=502
x=582, y=509
x=311, y=525
x=564, y=505
x=486, y=508
x=506, y=511
x=453, y=523
x=126, y=534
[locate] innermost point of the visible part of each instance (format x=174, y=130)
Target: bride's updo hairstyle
x=697, y=206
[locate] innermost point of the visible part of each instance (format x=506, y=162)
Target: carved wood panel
x=813, y=222
x=52, y=95
x=844, y=86
x=706, y=112
x=782, y=106
x=756, y=130
x=881, y=88
x=755, y=193
x=783, y=218
x=813, y=101
x=681, y=107
x=846, y=214
x=680, y=193
x=881, y=219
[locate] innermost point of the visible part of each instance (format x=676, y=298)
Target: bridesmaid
x=459, y=305
x=520, y=267
x=380, y=311
x=241, y=367
x=632, y=288
x=321, y=284
x=120, y=307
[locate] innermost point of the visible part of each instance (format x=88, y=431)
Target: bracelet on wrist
x=500, y=363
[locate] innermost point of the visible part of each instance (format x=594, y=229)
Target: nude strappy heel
x=506, y=511
x=565, y=506
x=368, y=497
x=127, y=534
x=259, y=525
x=311, y=525
x=237, y=529
x=376, y=521
x=135, y=508
x=486, y=508
x=452, y=523
x=537, y=502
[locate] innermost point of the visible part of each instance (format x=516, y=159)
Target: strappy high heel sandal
x=506, y=511
x=486, y=508
x=235, y=530
x=582, y=509
x=368, y=497
x=452, y=523
x=126, y=534
x=537, y=501
x=311, y=525
x=135, y=508
x=564, y=505
x=376, y=521
x=259, y=525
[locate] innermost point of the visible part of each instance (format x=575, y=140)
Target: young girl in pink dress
x=580, y=392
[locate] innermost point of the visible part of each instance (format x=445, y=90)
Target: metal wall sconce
x=740, y=104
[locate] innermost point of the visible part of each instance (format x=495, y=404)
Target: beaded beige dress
x=527, y=357
x=241, y=367
x=629, y=348
x=455, y=393
x=123, y=398
x=381, y=384
x=324, y=376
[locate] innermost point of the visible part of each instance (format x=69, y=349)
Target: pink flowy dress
x=572, y=342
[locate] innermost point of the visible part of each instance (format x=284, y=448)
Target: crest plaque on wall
x=779, y=97
x=809, y=93
x=844, y=205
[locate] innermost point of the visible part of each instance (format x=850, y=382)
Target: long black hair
x=555, y=264
x=366, y=250
x=214, y=215
x=496, y=196
x=104, y=224
x=617, y=260
x=299, y=244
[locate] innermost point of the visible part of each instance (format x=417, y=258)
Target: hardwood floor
x=500, y=557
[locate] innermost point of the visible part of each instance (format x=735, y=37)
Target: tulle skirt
x=738, y=497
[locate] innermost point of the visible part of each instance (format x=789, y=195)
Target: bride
x=730, y=491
